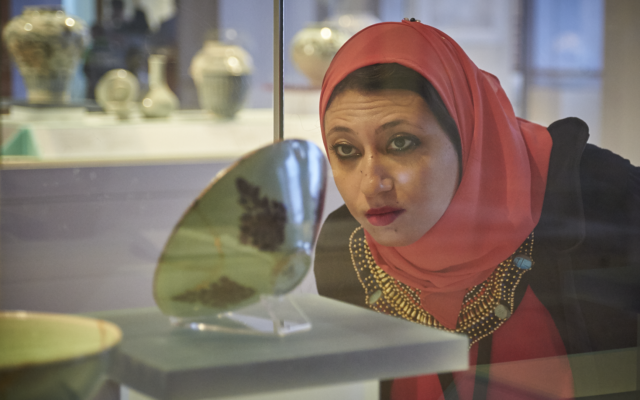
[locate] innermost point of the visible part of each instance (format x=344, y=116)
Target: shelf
x=101, y=139
x=346, y=344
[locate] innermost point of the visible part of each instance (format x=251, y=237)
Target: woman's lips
x=383, y=216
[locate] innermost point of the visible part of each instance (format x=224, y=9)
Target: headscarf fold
x=504, y=166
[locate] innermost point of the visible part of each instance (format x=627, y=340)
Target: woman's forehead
x=379, y=110
x=359, y=99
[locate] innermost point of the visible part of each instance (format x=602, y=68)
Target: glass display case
x=109, y=134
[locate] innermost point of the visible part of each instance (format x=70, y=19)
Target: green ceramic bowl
x=249, y=233
x=53, y=356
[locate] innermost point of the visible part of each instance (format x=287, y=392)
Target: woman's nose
x=375, y=178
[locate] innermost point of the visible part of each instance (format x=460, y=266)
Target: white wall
x=77, y=240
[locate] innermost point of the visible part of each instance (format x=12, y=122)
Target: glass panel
x=100, y=167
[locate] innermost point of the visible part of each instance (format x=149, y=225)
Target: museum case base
x=272, y=316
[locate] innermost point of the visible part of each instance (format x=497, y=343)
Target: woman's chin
x=391, y=236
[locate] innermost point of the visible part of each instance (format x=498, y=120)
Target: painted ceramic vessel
x=160, y=101
x=221, y=73
x=46, y=44
x=250, y=233
x=313, y=48
x=53, y=356
x=117, y=92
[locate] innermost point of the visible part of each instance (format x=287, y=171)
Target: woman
x=460, y=216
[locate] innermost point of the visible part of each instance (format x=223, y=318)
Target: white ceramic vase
x=46, y=45
x=221, y=73
x=353, y=23
x=313, y=48
x=160, y=101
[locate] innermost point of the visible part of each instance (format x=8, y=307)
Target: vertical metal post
x=526, y=51
x=278, y=68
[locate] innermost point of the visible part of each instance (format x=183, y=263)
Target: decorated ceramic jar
x=313, y=48
x=46, y=44
x=221, y=73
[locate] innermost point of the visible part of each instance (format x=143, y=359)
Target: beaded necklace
x=485, y=306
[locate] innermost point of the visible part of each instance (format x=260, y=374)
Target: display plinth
x=273, y=315
x=346, y=344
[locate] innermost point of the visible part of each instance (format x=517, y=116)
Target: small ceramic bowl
x=53, y=356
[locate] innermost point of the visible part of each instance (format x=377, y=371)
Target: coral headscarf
x=504, y=166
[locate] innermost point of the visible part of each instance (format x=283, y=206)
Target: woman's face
x=395, y=168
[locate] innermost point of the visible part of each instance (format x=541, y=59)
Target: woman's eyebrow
x=381, y=128
x=392, y=124
x=339, y=129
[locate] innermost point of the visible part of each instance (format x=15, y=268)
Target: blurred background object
x=221, y=73
x=313, y=48
x=159, y=101
x=46, y=44
x=117, y=92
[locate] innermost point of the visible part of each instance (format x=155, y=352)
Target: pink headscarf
x=504, y=166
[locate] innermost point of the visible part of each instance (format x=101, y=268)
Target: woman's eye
x=402, y=143
x=344, y=150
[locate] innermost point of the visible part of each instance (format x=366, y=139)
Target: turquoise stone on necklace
x=522, y=261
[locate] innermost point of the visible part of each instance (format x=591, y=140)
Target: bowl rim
x=111, y=340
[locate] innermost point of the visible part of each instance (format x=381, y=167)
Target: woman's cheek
x=407, y=180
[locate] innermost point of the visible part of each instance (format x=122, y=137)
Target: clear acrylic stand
x=272, y=316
